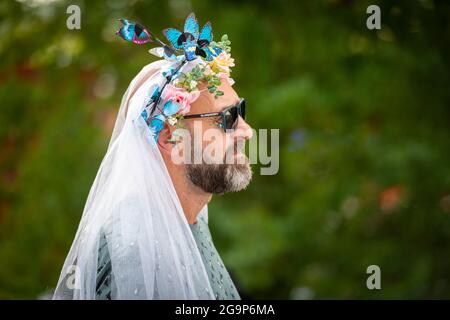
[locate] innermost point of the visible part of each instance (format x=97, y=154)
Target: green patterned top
x=219, y=278
x=221, y=283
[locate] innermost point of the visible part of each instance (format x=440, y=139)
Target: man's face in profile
x=218, y=163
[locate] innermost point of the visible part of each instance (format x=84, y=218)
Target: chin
x=238, y=177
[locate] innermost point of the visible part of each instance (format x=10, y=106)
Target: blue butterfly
x=153, y=98
x=156, y=123
x=134, y=32
x=193, y=42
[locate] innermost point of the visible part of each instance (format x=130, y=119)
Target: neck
x=192, y=202
x=191, y=197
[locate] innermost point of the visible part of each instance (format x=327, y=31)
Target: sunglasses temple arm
x=203, y=115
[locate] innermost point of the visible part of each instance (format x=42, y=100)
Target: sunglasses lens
x=230, y=118
x=242, y=109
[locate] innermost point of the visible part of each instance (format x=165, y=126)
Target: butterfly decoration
x=183, y=46
x=153, y=98
x=156, y=122
x=134, y=32
x=193, y=42
x=170, y=108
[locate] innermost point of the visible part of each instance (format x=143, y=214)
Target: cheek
x=214, y=139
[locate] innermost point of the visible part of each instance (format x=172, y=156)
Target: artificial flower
x=181, y=97
x=222, y=63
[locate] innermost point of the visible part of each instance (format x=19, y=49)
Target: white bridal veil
x=133, y=201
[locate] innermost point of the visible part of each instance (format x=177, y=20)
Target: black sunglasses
x=229, y=115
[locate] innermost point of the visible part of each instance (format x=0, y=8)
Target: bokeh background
x=364, y=140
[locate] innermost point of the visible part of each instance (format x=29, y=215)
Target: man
x=144, y=231
x=196, y=183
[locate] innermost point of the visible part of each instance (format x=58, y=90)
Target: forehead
x=207, y=103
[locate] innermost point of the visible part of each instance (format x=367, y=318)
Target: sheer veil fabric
x=133, y=200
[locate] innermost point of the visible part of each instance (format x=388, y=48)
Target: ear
x=163, y=140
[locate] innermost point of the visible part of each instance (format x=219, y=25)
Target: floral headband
x=213, y=62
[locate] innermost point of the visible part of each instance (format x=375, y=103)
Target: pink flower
x=224, y=76
x=180, y=96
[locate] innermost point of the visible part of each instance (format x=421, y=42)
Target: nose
x=243, y=130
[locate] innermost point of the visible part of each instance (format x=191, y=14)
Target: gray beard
x=220, y=178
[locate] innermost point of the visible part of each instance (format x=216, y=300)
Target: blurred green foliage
x=364, y=140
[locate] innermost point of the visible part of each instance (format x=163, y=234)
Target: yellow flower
x=222, y=63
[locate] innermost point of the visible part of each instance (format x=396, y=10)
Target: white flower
x=176, y=82
x=172, y=121
x=193, y=84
